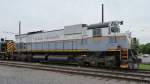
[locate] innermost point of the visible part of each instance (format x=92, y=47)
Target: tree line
x=144, y=48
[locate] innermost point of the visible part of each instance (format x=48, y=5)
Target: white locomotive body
x=83, y=40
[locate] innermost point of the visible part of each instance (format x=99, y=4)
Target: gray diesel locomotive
x=99, y=44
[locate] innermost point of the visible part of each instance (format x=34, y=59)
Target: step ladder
x=124, y=59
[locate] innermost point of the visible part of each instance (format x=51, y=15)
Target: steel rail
x=80, y=71
x=128, y=72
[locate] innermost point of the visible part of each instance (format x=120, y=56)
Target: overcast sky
x=54, y=14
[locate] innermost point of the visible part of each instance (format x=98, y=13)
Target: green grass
x=145, y=66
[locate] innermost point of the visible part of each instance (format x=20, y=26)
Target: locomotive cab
x=127, y=58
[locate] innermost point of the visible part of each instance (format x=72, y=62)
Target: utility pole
x=19, y=28
x=102, y=12
x=19, y=37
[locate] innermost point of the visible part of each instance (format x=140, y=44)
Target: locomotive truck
x=100, y=44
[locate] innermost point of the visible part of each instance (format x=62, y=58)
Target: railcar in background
x=7, y=49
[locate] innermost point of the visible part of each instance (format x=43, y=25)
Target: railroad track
x=124, y=75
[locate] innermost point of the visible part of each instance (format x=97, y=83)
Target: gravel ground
x=14, y=75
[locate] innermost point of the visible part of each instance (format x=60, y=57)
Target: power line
x=9, y=32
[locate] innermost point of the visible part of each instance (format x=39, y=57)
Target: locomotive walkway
x=137, y=76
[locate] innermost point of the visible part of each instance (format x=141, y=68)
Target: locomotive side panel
x=90, y=44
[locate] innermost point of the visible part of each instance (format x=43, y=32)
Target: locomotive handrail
x=105, y=24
